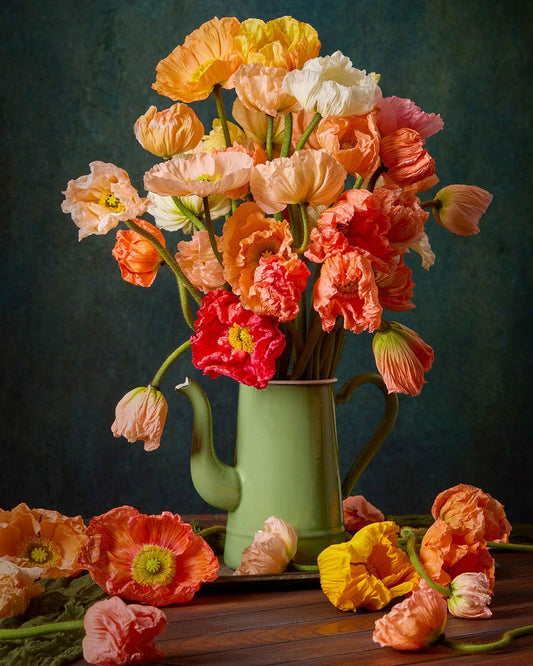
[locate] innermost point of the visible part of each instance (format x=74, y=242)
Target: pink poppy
x=118, y=633
x=355, y=222
x=141, y=414
x=404, y=156
x=155, y=560
x=197, y=260
x=235, y=342
x=346, y=288
x=470, y=596
x=224, y=172
x=308, y=176
x=102, y=199
x=459, y=208
x=137, y=258
x=259, y=89
x=359, y=512
x=396, y=113
x=406, y=217
x=402, y=358
x=271, y=550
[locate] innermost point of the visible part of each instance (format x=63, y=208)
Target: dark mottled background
x=76, y=337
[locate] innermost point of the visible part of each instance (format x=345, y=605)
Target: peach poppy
x=235, y=342
x=331, y=86
x=99, y=201
x=42, y=538
x=444, y=556
x=282, y=42
x=415, y=623
x=459, y=208
x=402, y=358
x=271, y=550
x=470, y=596
x=368, y=571
x=17, y=588
x=259, y=89
x=255, y=125
x=406, y=159
x=359, y=512
x=169, y=132
x=346, y=288
x=308, y=176
x=406, y=217
x=224, y=172
x=208, y=56
x=137, y=258
x=141, y=414
x=395, y=286
x=197, y=260
x=354, y=222
x=353, y=141
x=396, y=112
x=155, y=559
x=472, y=514
x=119, y=633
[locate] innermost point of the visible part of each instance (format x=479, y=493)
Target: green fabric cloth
x=63, y=599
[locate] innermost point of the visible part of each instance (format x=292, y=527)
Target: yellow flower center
x=39, y=552
x=208, y=178
x=240, y=338
x=153, y=565
x=109, y=200
x=201, y=70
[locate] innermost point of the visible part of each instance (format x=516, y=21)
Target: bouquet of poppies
x=295, y=219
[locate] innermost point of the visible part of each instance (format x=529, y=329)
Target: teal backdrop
x=76, y=337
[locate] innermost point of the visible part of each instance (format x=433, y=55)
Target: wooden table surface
x=294, y=623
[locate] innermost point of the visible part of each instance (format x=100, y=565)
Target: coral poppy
x=156, y=559
x=470, y=596
x=308, y=176
x=197, y=260
x=359, y=512
x=141, y=414
x=224, y=172
x=444, y=556
x=331, y=86
x=346, y=288
x=208, y=56
x=118, y=633
x=406, y=217
x=472, y=514
x=395, y=287
x=17, y=588
x=235, y=342
x=354, y=222
x=396, y=112
x=278, y=286
x=282, y=42
x=259, y=89
x=99, y=201
x=137, y=258
x=405, y=157
x=271, y=550
x=459, y=208
x=42, y=538
x=402, y=358
x=415, y=623
x=353, y=141
x=169, y=132
x=368, y=571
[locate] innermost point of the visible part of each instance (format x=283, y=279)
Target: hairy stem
x=168, y=362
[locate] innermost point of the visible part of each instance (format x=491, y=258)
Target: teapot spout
x=217, y=483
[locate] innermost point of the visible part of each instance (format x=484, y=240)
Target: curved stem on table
x=473, y=648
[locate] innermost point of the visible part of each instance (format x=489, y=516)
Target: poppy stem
x=308, y=130
x=210, y=231
x=214, y=529
x=156, y=381
x=287, y=136
x=219, y=101
x=486, y=647
x=195, y=221
x=417, y=564
x=373, y=180
x=520, y=547
x=270, y=132
x=27, y=632
x=305, y=228
x=309, y=346
x=185, y=305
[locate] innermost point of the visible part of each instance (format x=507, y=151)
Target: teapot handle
x=380, y=433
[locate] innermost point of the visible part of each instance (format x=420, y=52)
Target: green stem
x=428, y=204
x=270, y=133
x=487, y=647
x=417, y=564
x=27, y=632
x=185, y=305
x=305, y=225
x=309, y=346
x=287, y=136
x=219, y=101
x=214, y=529
x=195, y=221
x=339, y=345
x=211, y=232
x=358, y=183
x=520, y=547
x=308, y=130
x=168, y=362
x=168, y=259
